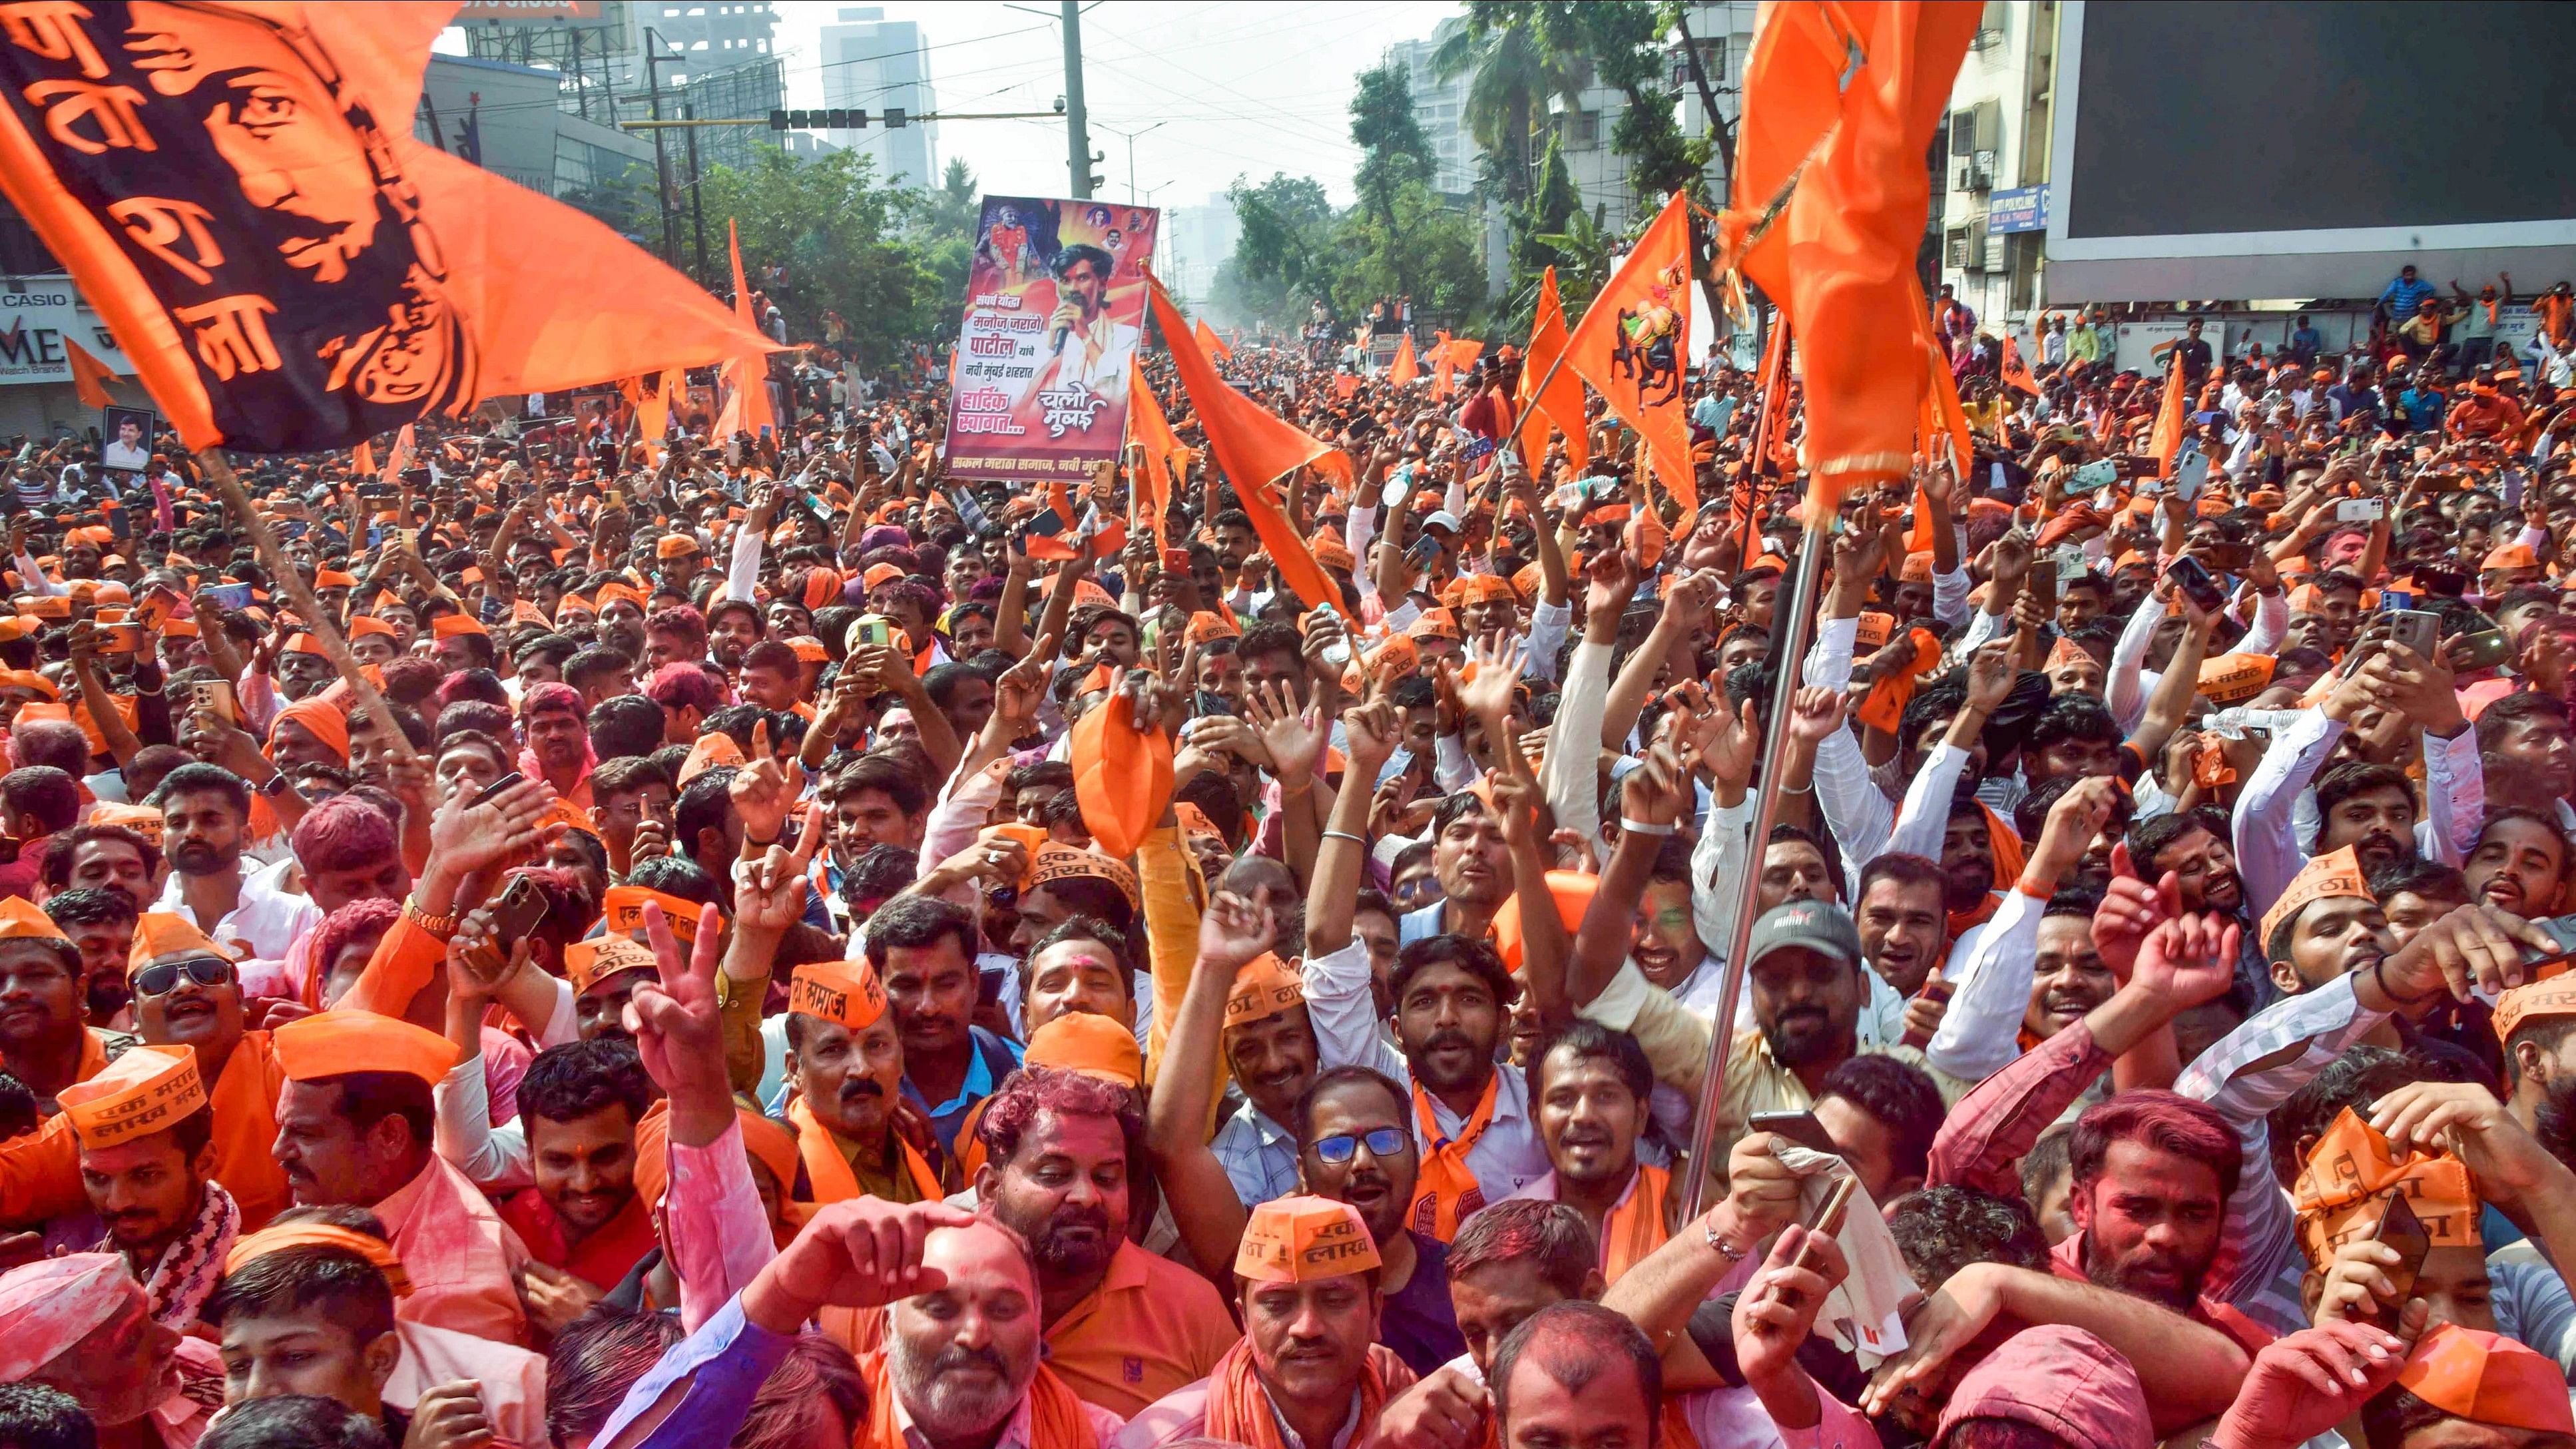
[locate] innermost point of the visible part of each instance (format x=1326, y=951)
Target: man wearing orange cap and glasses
x=1307, y=1273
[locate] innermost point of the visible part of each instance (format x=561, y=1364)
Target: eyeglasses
x=160, y=977
x=1341, y=1147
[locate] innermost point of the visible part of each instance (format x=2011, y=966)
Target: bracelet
x=1287, y=794
x=1359, y=840
x=443, y=927
x=2379, y=977
x=1640, y=827
x=1719, y=1245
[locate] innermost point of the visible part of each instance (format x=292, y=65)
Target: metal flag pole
x=1789, y=647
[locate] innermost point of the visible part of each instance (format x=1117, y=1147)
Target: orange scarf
x=2010, y=857
x=1637, y=1226
x=1056, y=1418
x=1238, y=1407
x=1446, y=1191
x=829, y=1174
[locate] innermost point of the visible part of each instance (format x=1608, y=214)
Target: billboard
x=1055, y=306
x=2311, y=153
x=36, y=314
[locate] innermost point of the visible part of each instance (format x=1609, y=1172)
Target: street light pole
x=1130, y=138
x=653, y=59
x=1077, y=134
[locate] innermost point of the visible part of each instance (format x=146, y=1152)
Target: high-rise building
x=1439, y=106
x=706, y=38
x=874, y=64
x=1199, y=239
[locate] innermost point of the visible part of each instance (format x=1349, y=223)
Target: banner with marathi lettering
x=1055, y=306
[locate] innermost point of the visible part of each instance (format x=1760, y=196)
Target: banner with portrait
x=1055, y=307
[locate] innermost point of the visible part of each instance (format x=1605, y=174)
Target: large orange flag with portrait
x=1631, y=343
x=1828, y=211
x=1562, y=403
x=1255, y=449
x=236, y=189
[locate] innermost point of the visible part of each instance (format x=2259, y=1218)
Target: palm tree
x=1515, y=53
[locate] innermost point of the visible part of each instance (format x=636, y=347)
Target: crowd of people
x=754, y=942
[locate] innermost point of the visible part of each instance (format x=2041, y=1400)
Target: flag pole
x=1789, y=647
x=318, y=621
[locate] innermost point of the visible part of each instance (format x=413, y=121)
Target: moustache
x=953, y=1359
x=1440, y=1040
x=854, y=1088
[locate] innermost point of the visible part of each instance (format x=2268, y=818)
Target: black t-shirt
x=1418, y=1322
x=2195, y=358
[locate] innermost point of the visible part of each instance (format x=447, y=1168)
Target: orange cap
x=2336, y=873
x=143, y=820
x=622, y=910
x=1089, y=1043
x=378, y=1252
x=165, y=933
x=1573, y=892
x=1263, y=989
x=2235, y=678
x=447, y=625
x=2553, y=995
x=1122, y=774
x=336, y=1043
x=847, y=992
x=1303, y=1239
x=588, y=963
x=147, y=1090
x=2351, y=1176
x=366, y=624
x=2511, y=556
x=1057, y=861
x=21, y=920
x=2488, y=1379
x=711, y=751
x=675, y=545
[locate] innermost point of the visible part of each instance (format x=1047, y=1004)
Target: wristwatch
x=275, y=785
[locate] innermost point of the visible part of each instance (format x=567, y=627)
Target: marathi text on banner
x=1055, y=304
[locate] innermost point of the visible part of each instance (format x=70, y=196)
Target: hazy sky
x=1241, y=87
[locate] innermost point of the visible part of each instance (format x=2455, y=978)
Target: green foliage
x=1281, y=260
x=1393, y=150
x=835, y=227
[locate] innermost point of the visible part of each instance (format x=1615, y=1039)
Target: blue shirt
x=989, y=1059
x=2424, y=408
x=2306, y=343
x=2403, y=296
x=725, y=1361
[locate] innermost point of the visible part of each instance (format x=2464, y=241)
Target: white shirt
x=267, y=918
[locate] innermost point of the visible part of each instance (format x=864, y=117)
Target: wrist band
x=1640, y=827
x=1359, y=840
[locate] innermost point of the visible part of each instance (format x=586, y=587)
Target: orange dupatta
x=1238, y=1408
x=2010, y=857
x=1637, y=1226
x=1447, y=1194
x=1056, y=1417
x=829, y=1174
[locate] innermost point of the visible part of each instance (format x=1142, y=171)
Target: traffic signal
x=894, y=118
x=778, y=120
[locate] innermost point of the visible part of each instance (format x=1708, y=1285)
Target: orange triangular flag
x=1844, y=144
x=2016, y=371
x=457, y=286
x=747, y=409
x=362, y=459
x=1631, y=341
x=2166, y=440
x=653, y=414
x=1438, y=361
x=1404, y=369
x=1255, y=449
x=1562, y=404
x=1455, y=358
x=398, y=458
x=89, y=375
x=1165, y=458
x=1941, y=424
x=1214, y=345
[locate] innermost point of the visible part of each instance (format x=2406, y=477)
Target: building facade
x=1198, y=239
x=1989, y=193
x=874, y=64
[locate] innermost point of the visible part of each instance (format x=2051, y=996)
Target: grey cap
x=1819, y=926
x=1441, y=518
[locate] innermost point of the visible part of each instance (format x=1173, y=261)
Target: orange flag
x=399, y=458
x=1455, y=357
x=2016, y=371
x=1438, y=361
x=747, y=407
x=1941, y=422
x=1846, y=144
x=2166, y=440
x=1631, y=341
x=1255, y=449
x=653, y=415
x=1165, y=457
x=1562, y=405
x=1208, y=339
x=389, y=282
x=362, y=459
x=1345, y=384
x=1404, y=369
x=90, y=376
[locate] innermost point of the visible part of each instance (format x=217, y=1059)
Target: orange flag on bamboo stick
x=653, y=415
x=1941, y=424
x=2017, y=371
x=747, y=407
x=2166, y=440
x=1404, y=369
x=1255, y=449
x=1830, y=198
x=1213, y=344
x=389, y=282
x=90, y=376
x=1630, y=342
x=1562, y=404
x=1165, y=457
x=1456, y=356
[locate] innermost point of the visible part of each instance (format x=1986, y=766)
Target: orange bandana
x=2351, y=1177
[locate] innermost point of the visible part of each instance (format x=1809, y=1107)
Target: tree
x=1393, y=149
x=1515, y=54
x=1280, y=261
x=832, y=224
x=1624, y=40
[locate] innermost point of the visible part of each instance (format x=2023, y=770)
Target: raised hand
x=2307, y=1382
x=1017, y=693
x=860, y=1252
x=1497, y=667
x=1777, y=1311
x=1990, y=676
x=769, y=889
x=2188, y=960
x=467, y=835
x=1293, y=737
x=1370, y=731
x=1610, y=580
x=1658, y=791
x=1926, y=1008
x=1235, y=932
x=763, y=792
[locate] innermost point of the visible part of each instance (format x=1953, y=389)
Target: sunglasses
x=1341, y=1147
x=159, y=978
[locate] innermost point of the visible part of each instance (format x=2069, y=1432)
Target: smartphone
x=874, y=630
x=521, y=906
x=2442, y=583
x=1423, y=553
x=2196, y=583
x=2485, y=649
x=2229, y=557
x=2416, y=629
x=2071, y=563
x=497, y=786
x=2191, y=470
x=123, y=638
x=216, y=697
x=2400, y=1228
x=1799, y=1127
x=230, y=596
x=2093, y=477
x=2361, y=510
